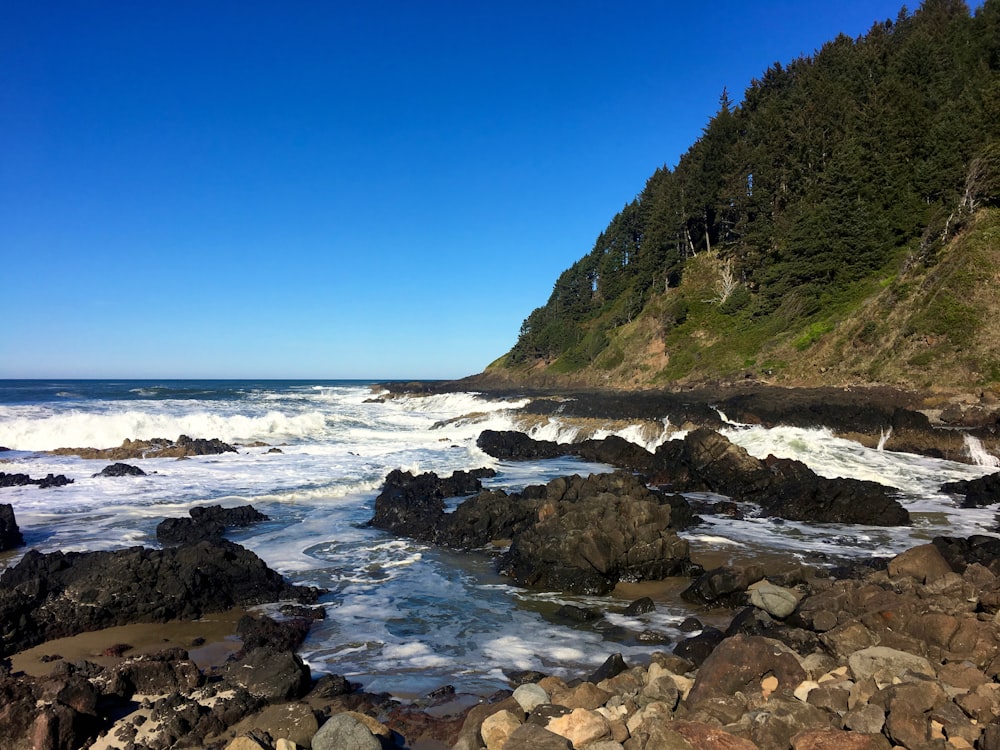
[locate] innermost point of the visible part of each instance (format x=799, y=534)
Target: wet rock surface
x=20, y=480
x=206, y=523
x=58, y=594
x=10, y=532
x=574, y=534
x=182, y=447
x=707, y=461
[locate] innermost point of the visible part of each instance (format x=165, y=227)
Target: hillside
x=841, y=225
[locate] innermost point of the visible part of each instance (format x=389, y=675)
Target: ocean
x=402, y=617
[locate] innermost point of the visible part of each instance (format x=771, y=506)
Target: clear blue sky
x=338, y=189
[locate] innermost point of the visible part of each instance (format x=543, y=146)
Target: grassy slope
x=909, y=325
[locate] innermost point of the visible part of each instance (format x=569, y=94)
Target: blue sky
x=333, y=189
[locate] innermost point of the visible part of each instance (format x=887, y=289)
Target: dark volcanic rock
x=121, y=470
x=707, y=461
x=516, y=446
x=19, y=480
x=572, y=534
x=52, y=595
x=10, y=534
x=206, y=523
x=978, y=492
x=187, y=531
x=413, y=506
x=592, y=533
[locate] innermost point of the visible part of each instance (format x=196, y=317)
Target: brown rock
x=836, y=739
x=534, y=737
x=707, y=737
x=740, y=663
x=497, y=729
x=865, y=719
x=585, y=695
x=581, y=727
x=924, y=563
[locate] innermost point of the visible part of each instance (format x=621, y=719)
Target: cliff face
x=918, y=327
x=837, y=226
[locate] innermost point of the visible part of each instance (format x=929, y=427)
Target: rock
x=614, y=665
x=868, y=662
x=516, y=446
x=585, y=695
x=10, y=533
x=19, y=480
x=59, y=594
x=344, y=732
x=706, y=461
x=640, y=607
x=498, y=728
x=295, y=722
x=835, y=739
x=413, y=506
x=725, y=586
x=698, y=648
x=924, y=563
x=120, y=470
x=976, y=492
x=866, y=719
x=592, y=533
x=187, y=531
x=777, y=601
x=272, y=675
x=530, y=696
x=246, y=742
x=158, y=447
x=740, y=663
x=206, y=523
x=581, y=727
x=707, y=737
x=531, y=737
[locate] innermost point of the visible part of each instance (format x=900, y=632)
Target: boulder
x=345, y=732
x=533, y=737
x=740, y=663
x=206, y=523
x=924, y=563
x=592, y=533
x=868, y=662
x=120, y=470
x=20, y=480
x=10, y=533
x=271, y=675
x=976, y=492
x=777, y=601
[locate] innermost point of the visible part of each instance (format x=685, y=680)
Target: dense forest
x=837, y=176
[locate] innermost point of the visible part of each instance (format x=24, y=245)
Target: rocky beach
x=885, y=651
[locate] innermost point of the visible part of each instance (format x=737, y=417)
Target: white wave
x=78, y=429
x=978, y=454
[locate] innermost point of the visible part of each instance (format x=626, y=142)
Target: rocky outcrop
x=120, y=470
x=589, y=534
x=10, y=533
x=976, y=492
x=58, y=594
x=574, y=534
x=206, y=523
x=707, y=461
x=154, y=448
x=413, y=506
x=20, y=480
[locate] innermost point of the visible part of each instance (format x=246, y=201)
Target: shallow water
x=402, y=617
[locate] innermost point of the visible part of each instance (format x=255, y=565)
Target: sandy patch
x=215, y=636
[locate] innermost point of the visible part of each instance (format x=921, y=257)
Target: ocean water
x=402, y=617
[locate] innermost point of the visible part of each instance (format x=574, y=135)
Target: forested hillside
x=829, y=216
